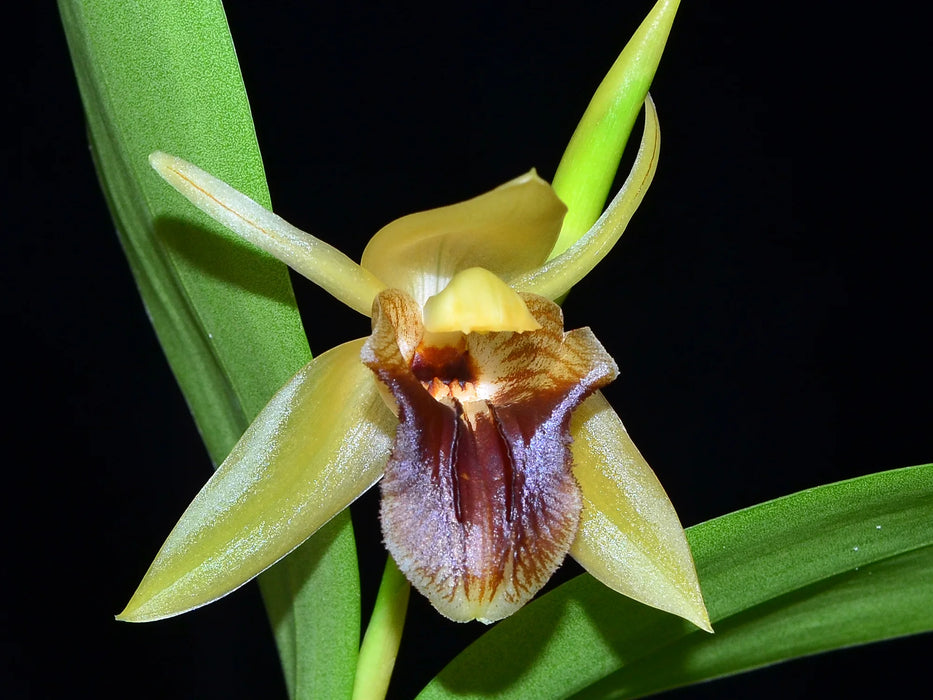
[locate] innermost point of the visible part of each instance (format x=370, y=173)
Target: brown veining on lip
x=479, y=506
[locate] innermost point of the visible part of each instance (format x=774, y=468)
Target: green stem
x=383, y=635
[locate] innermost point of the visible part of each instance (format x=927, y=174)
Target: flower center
x=446, y=371
x=474, y=301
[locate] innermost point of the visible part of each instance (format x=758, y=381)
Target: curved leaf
x=317, y=634
x=216, y=304
x=891, y=597
x=841, y=564
x=164, y=75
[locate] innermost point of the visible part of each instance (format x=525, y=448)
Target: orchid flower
x=482, y=417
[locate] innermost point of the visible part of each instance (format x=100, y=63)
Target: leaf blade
x=141, y=87
x=887, y=599
x=164, y=75
x=744, y=559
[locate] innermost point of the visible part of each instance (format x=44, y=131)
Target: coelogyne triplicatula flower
x=482, y=416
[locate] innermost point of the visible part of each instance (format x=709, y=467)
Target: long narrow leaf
x=313, y=600
x=889, y=598
x=163, y=75
x=832, y=566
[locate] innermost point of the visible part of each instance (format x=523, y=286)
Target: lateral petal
x=320, y=442
x=629, y=537
x=508, y=231
x=558, y=275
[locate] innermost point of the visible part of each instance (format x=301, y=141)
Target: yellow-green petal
x=320, y=262
x=558, y=275
x=589, y=165
x=507, y=231
x=322, y=440
x=630, y=537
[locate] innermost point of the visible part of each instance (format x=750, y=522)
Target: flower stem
x=383, y=635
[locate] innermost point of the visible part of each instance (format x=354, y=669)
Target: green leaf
x=163, y=75
x=317, y=634
x=842, y=564
x=589, y=163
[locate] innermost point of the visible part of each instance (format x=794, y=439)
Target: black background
x=768, y=306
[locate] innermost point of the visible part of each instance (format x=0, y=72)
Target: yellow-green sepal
x=320, y=262
x=320, y=442
x=630, y=537
x=507, y=231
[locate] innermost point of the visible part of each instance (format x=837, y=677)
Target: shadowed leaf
x=842, y=564
x=163, y=75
